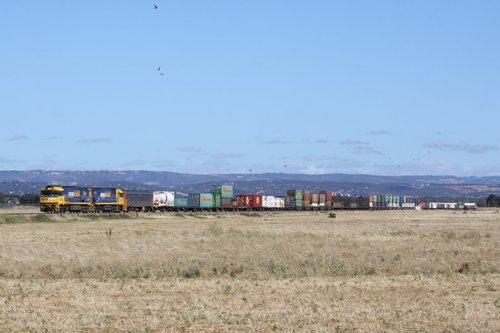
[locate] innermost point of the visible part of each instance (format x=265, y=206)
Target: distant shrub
x=332, y=215
x=191, y=273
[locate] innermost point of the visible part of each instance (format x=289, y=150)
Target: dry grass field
x=394, y=271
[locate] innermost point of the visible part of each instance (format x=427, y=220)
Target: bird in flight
x=162, y=74
x=159, y=67
x=156, y=7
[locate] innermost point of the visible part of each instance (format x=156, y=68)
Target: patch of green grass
x=14, y=218
x=41, y=218
x=95, y=217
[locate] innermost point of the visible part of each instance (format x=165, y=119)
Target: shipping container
x=256, y=200
x=315, y=199
x=220, y=202
x=244, y=201
x=226, y=191
x=306, y=196
x=268, y=201
x=328, y=195
x=181, y=202
x=279, y=202
x=298, y=196
x=322, y=198
x=206, y=200
x=193, y=200
x=226, y=202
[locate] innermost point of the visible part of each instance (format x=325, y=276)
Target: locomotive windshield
x=51, y=193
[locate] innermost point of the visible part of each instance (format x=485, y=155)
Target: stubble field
x=393, y=271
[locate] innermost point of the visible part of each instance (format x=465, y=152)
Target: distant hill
x=20, y=182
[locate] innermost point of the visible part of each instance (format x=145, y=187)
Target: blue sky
x=380, y=87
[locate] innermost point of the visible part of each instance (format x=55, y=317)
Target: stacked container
x=306, y=200
x=328, y=198
x=295, y=198
x=225, y=191
x=222, y=195
x=314, y=200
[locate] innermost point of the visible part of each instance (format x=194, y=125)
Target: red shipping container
x=256, y=200
x=329, y=204
x=328, y=195
x=314, y=198
x=307, y=195
x=244, y=200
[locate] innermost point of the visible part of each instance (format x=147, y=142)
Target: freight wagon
x=149, y=201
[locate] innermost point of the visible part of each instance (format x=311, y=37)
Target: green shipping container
x=180, y=202
x=217, y=200
x=226, y=191
x=206, y=200
x=298, y=194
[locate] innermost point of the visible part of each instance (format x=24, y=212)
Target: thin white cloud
x=350, y=142
x=189, y=150
x=134, y=163
x=434, y=167
x=163, y=163
x=317, y=157
x=366, y=150
x=275, y=142
x=18, y=137
x=226, y=156
x=463, y=147
x=94, y=140
x=4, y=160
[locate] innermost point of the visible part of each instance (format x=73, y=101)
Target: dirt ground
x=382, y=271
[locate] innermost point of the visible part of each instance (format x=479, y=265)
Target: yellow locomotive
x=62, y=199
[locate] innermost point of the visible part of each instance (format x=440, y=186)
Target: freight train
x=62, y=199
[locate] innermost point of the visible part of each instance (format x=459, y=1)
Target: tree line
x=23, y=199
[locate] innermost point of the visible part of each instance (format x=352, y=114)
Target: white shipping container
x=163, y=199
x=470, y=205
x=268, y=201
x=279, y=202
